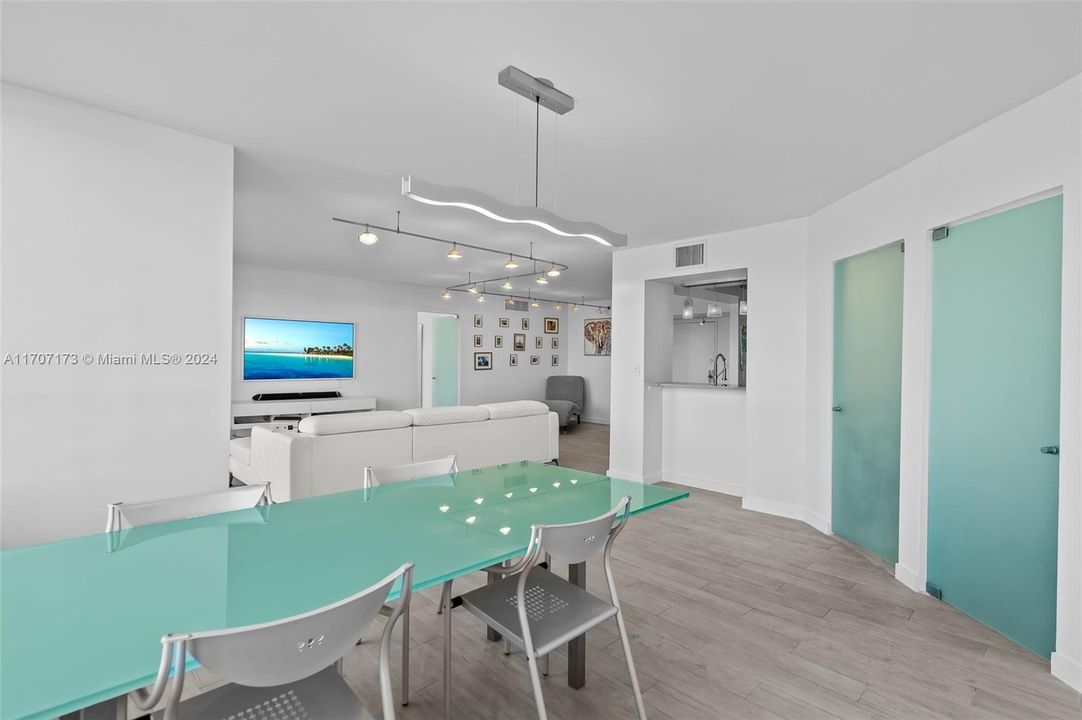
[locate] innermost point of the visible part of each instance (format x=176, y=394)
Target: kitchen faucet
x=724, y=370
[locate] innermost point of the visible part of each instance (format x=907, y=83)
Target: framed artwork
x=555, y=343
x=478, y=320
x=505, y=322
x=525, y=323
x=535, y=359
x=539, y=343
x=514, y=360
x=478, y=340
x=552, y=326
x=498, y=341
x=520, y=342
x=482, y=361
x=555, y=360
x=597, y=336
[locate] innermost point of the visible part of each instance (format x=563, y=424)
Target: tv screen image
x=297, y=349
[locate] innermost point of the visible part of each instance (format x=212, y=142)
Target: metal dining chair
x=410, y=471
x=131, y=515
x=374, y=477
x=284, y=669
x=539, y=611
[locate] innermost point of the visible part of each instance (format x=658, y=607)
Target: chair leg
x=630, y=664
x=406, y=657
x=445, y=601
x=535, y=680
x=545, y=665
x=506, y=646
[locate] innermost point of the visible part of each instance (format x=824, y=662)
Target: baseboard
x=785, y=510
x=1067, y=670
x=718, y=486
x=908, y=577
x=596, y=420
x=652, y=478
x=818, y=522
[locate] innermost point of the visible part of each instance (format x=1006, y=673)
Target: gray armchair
x=566, y=396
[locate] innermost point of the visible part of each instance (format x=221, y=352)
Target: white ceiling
x=690, y=118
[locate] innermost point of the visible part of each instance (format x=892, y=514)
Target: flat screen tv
x=277, y=349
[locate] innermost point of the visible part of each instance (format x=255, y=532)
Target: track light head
x=368, y=237
x=454, y=253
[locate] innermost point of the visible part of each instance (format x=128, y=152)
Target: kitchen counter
x=696, y=386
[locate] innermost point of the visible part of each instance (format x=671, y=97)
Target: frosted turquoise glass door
x=444, y=361
x=867, y=400
x=992, y=492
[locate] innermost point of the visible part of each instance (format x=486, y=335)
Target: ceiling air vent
x=689, y=255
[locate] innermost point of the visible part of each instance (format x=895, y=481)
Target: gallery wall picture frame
x=514, y=360
x=552, y=326
x=505, y=322
x=478, y=340
x=497, y=341
x=555, y=361
x=482, y=361
x=539, y=343
x=535, y=359
x=526, y=323
x=597, y=337
x=519, y=342
x=478, y=320
x=555, y=343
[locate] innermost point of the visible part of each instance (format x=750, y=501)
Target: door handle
x=836, y=408
x=1050, y=450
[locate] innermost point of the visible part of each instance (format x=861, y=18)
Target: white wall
x=1028, y=150
x=385, y=319
x=772, y=411
x=597, y=370
x=117, y=238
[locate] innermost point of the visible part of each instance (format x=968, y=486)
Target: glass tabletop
x=81, y=619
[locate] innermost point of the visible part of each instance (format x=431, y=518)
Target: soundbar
x=314, y=395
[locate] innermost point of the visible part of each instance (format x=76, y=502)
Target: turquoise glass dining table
x=81, y=619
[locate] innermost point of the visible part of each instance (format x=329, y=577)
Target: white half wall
x=118, y=239
x=597, y=370
x=385, y=319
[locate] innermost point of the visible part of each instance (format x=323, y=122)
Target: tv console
x=246, y=414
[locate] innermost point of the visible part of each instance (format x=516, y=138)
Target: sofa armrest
x=554, y=436
x=283, y=459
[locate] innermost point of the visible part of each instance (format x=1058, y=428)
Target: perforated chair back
x=581, y=541
x=410, y=471
x=125, y=515
x=288, y=650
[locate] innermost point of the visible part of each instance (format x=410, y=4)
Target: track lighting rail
x=521, y=296
x=400, y=231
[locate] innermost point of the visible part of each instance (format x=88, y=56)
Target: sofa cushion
x=515, y=408
x=338, y=423
x=240, y=449
x=447, y=415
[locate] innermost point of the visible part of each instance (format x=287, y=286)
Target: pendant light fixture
x=481, y=296
x=368, y=237
x=510, y=264
x=689, y=306
x=553, y=271
x=557, y=307
x=543, y=93
x=507, y=285
x=533, y=303
x=446, y=294
x=454, y=253
x=472, y=285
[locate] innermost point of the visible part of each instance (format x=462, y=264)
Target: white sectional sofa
x=326, y=454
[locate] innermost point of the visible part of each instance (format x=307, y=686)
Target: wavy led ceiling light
x=444, y=196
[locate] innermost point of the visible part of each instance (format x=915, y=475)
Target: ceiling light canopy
x=444, y=196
